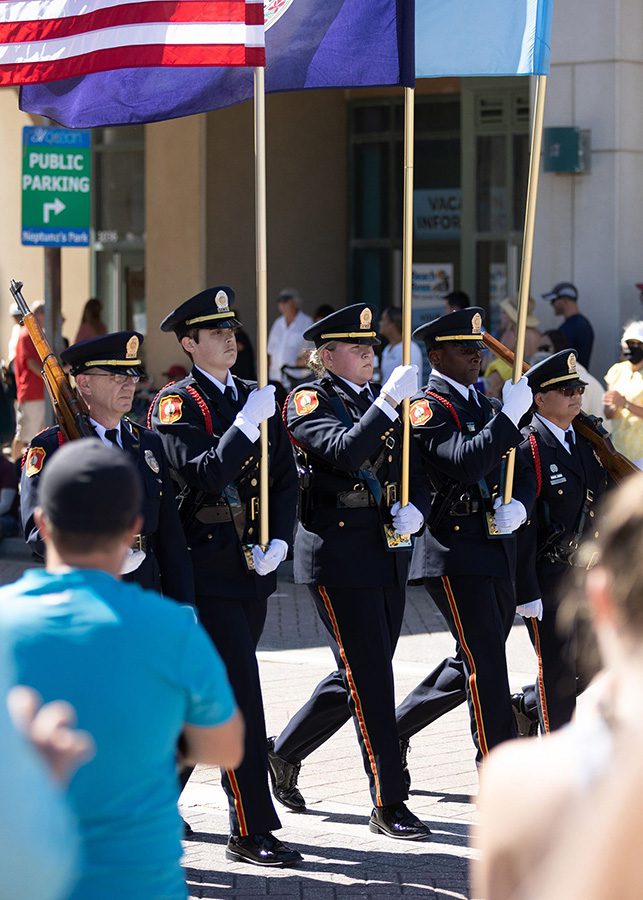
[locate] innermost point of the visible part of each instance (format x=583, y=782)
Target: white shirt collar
x=558, y=432
x=219, y=384
x=100, y=431
x=462, y=389
x=357, y=387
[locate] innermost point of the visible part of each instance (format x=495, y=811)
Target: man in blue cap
x=106, y=370
x=209, y=425
x=576, y=327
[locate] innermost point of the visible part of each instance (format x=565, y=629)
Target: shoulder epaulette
x=198, y=399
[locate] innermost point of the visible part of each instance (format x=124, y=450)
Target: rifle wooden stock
x=618, y=466
x=68, y=410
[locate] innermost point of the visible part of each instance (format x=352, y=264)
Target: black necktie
x=229, y=394
x=473, y=397
x=112, y=435
x=365, y=395
x=569, y=440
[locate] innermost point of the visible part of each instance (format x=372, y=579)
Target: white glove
x=508, y=516
x=517, y=399
x=259, y=406
x=132, y=561
x=401, y=383
x=267, y=562
x=406, y=519
x=532, y=610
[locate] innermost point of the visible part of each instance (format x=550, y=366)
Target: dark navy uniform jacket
x=210, y=462
x=558, y=490
x=167, y=564
x=338, y=544
x=459, y=457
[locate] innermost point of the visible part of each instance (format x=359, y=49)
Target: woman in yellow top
x=624, y=398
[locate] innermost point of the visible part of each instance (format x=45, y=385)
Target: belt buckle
x=254, y=508
x=391, y=493
x=137, y=544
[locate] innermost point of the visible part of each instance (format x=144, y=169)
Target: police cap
x=556, y=371
x=464, y=326
x=350, y=325
x=211, y=308
x=116, y=352
x=90, y=488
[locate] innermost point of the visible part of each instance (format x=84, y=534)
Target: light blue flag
x=482, y=37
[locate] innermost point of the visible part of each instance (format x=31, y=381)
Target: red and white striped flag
x=46, y=40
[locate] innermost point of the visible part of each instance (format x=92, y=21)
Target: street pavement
x=342, y=859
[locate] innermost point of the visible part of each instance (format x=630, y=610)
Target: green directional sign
x=56, y=187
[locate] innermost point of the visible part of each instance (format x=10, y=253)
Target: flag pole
x=527, y=254
x=262, y=285
x=407, y=270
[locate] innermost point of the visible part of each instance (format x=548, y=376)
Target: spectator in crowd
x=455, y=300
x=538, y=800
x=553, y=341
x=286, y=338
x=91, y=324
x=391, y=328
x=624, y=398
x=9, y=505
x=30, y=388
x=245, y=366
x=138, y=669
x=323, y=310
x=576, y=327
x=14, y=312
x=498, y=371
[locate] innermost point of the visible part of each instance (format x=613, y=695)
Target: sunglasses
x=571, y=391
x=117, y=377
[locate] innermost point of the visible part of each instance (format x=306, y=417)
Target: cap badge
x=170, y=409
x=571, y=363
x=420, y=413
x=365, y=319
x=131, y=348
x=34, y=461
x=221, y=301
x=305, y=402
x=152, y=461
x=476, y=324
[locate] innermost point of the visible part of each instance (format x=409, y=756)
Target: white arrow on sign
x=56, y=207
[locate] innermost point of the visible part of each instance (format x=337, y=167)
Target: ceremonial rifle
x=618, y=466
x=69, y=412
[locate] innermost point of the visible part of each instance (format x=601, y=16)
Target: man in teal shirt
x=138, y=669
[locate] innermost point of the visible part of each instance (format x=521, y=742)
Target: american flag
x=47, y=40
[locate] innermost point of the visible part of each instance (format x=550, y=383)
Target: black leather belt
x=465, y=508
x=213, y=515
x=344, y=500
x=141, y=542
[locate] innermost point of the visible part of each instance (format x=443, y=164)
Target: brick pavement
x=342, y=858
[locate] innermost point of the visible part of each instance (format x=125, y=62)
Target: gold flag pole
x=527, y=254
x=262, y=285
x=407, y=271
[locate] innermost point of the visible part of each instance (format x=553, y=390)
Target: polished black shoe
x=283, y=777
x=526, y=726
x=405, y=749
x=187, y=830
x=397, y=821
x=261, y=850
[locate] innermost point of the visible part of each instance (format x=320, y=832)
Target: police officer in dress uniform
x=209, y=426
x=106, y=370
x=466, y=556
x=567, y=482
x=347, y=435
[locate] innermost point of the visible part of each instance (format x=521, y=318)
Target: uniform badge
x=34, y=461
x=131, y=348
x=152, y=461
x=553, y=467
x=365, y=319
x=305, y=402
x=476, y=324
x=221, y=301
x=420, y=412
x=571, y=363
x=170, y=409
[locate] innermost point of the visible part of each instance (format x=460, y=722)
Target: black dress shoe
x=526, y=726
x=261, y=850
x=405, y=749
x=397, y=821
x=187, y=830
x=283, y=777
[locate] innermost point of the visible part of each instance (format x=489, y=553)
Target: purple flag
x=309, y=44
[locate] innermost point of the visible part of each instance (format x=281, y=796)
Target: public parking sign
x=56, y=187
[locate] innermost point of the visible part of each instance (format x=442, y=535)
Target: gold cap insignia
x=571, y=363
x=221, y=301
x=131, y=348
x=365, y=319
x=476, y=324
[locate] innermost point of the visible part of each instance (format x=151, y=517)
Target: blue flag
x=309, y=44
x=482, y=37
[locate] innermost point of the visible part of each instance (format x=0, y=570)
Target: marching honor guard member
x=568, y=481
x=106, y=370
x=347, y=437
x=209, y=426
x=466, y=556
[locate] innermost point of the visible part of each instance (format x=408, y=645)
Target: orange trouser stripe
x=353, y=689
x=473, y=684
x=541, y=680
x=238, y=803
